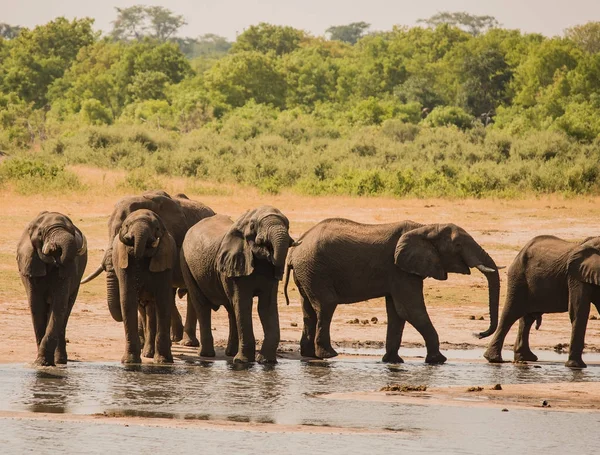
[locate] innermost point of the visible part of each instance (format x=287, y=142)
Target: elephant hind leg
x=307, y=341
x=395, y=328
x=522, y=351
x=323, y=348
x=189, y=329
x=176, y=322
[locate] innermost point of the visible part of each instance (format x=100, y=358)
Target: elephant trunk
x=477, y=257
x=280, y=241
x=140, y=243
x=61, y=245
x=112, y=289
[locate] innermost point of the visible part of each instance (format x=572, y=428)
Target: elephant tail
x=286, y=281
x=93, y=275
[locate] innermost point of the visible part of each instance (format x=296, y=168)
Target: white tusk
x=155, y=243
x=484, y=269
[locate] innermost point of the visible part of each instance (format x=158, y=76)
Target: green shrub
x=449, y=115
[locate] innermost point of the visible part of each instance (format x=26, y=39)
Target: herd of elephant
x=160, y=245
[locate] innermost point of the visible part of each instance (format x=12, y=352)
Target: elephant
x=51, y=255
x=178, y=214
x=339, y=261
x=144, y=256
x=228, y=264
x=549, y=275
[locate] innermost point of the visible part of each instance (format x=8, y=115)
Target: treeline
x=432, y=110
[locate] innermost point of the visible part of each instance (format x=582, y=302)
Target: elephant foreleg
x=150, y=328
x=309, y=331
x=163, y=304
x=579, y=312
x=411, y=294
x=39, y=308
x=242, y=306
x=393, y=337
x=129, y=310
x=176, y=323
x=323, y=348
x=269, y=318
x=233, y=340
x=189, y=330
x=522, y=350
x=60, y=354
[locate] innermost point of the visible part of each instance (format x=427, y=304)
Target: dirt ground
x=502, y=227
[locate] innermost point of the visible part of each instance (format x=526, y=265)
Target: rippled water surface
x=287, y=393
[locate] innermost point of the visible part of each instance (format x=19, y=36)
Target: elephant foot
x=207, y=352
x=161, y=359
x=493, y=357
x=527, y=356
x=266, y=360
x=60, y=360
x=323, y=353
x=44, y=362
x=307, y=349
x=129, y=358
x=177, y=333
x=148, y=353
x=240, y=358
x=392, y=358
x=191, y=342
x=231, y=351
x=435, y=359
x=576, y=364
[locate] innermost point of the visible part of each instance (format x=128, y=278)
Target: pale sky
x=228, y=17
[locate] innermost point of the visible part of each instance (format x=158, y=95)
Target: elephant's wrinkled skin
x=227, y=264
x=549, y=275
x=144, y=255
x=178, y=214
x=339, y=261
x=51, y=255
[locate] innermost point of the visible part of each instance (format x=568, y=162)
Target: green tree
x=269, y=38
x=247, y=75
x=349, y=33
x=139, y=21
x=586, y=36
x=40, y=56
x=473, y=24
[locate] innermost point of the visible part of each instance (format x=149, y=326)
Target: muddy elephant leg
x=176, y=323
x=309, y=331
x=163, y=304
x=579, y=312
x=189, y=330
x=56, y=323
x=129, y=310
x=232, y=340
x=269, y=318
x=514, y=309
x=241, y=300
x=60, y=354
x=148, y=350
x=409, y=300
x=522, y=351
x=393, y=337
x=323, y=348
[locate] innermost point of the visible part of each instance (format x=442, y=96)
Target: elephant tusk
x=484, y=269
x=81, y=251
x=155, y=243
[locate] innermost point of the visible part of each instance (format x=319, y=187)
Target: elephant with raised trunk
x=340, y=261
x=228, y=264
x=51, y=255
x=144, y=256
x=178, y=214
x=549, y=275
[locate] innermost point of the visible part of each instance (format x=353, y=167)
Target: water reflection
x=49, y=390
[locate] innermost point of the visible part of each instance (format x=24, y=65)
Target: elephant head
x=583, y=263
x=261, y=233
x=51, y=238
x=438, y=249
x=142, y=235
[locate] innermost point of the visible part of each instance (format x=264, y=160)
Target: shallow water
x=287, y=393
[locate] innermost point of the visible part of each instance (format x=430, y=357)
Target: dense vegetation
x=435, y=111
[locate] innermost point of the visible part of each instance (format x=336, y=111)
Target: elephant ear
x=28, y=260
x=165, y=256
x=415, y=253
x=584, y=264
x=121, y=253
x=234, y=258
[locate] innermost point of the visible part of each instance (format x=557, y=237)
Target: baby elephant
x=143, y=255
x=549, y=275
x=51, y=255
